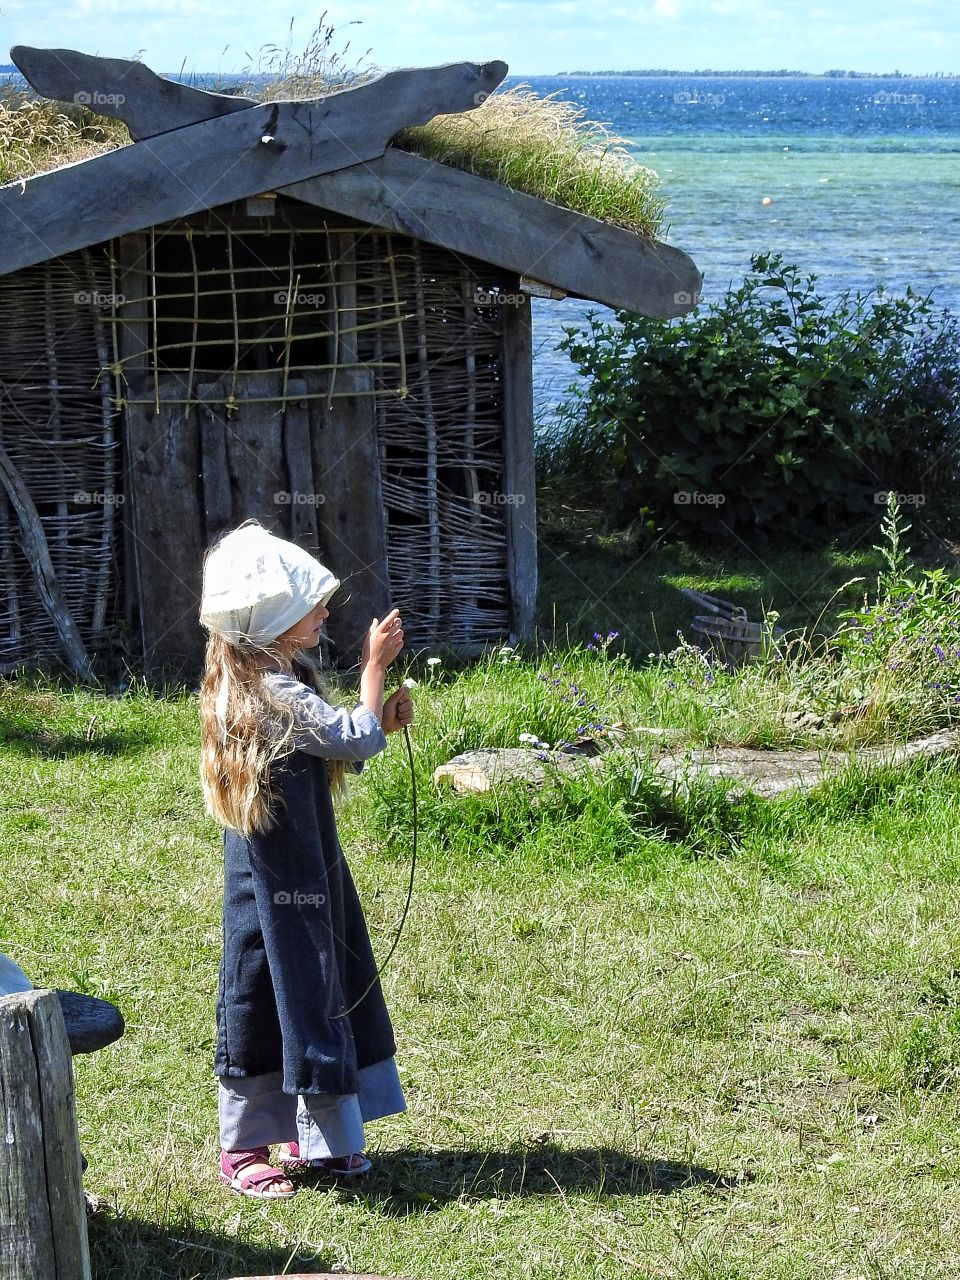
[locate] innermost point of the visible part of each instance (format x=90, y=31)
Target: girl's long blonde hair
x=237, y=752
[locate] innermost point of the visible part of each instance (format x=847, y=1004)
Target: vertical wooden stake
x=43, y=1227
x=519, y=474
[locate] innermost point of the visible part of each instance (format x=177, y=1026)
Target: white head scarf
x=256, y=585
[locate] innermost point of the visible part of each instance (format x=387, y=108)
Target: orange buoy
x=766, y=200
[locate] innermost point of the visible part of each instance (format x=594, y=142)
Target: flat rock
x=764, y=772
x=770, y=773
x=483, y=769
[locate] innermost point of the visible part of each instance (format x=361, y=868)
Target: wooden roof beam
x=119, y=87
x=482, y=219
x=215, y=161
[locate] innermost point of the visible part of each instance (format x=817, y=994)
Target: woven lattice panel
x=60, y=430
x=440, y=424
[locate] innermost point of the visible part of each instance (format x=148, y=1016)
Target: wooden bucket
x=727, y=631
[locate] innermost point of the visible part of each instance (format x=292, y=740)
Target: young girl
x=305, y=1047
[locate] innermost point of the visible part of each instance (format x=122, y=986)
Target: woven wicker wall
x=440, y=425
x=206, y=301
x=59, y=429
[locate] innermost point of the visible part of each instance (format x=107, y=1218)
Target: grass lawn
x=640, y=1034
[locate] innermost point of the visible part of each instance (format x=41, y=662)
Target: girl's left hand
x=397, y=711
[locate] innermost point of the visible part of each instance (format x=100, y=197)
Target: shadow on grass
x=405, y=1182
x=40, y=740
x=589, y=584
x=124, y=1246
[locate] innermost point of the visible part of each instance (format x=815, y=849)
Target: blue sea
x=863, y=175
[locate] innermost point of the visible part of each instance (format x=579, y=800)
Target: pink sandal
x=340, y=1166
x=232, y=1164
x=289, y=1157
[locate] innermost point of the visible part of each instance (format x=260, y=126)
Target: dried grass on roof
x=540, y=145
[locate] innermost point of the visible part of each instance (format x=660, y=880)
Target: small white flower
x=433, y=662
x=410, y=683
x=529, y=737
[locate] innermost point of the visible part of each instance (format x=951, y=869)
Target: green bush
x=771, y=410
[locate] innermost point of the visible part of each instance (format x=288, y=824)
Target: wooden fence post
x=43, y=1224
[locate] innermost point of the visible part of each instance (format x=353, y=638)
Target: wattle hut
x=266, y=309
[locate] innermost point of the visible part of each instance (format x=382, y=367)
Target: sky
x=535, y=37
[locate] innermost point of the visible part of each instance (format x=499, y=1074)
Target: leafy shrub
x=770, y=410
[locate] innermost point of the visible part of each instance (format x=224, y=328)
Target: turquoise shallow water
x=864, y=193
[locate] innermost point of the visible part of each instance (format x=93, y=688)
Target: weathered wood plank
x=27, y=1238
x=459, y=211
x=519, y=474
x=147, y=103
x=165, y=466
x=217, y=502
x=255, y=456
x=215, y=161
x=61, y=1148
x=299, y=468
x=346, y=469
x=43, y=1230
x=133, y=346
x=37, y=552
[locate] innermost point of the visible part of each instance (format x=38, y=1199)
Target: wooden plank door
x=303, y=463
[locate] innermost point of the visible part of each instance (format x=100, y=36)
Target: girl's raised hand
x=397, y=711
x=384, y=640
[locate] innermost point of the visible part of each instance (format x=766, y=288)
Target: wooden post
x=519, y=476
x=43, y=1230
x=132, y=338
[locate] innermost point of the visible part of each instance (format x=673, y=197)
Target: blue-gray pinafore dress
x=296, y=951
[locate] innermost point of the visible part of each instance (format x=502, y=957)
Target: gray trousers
x=255, y=1112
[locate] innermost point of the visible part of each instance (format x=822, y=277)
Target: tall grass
x=546, y=147
x=36, y=134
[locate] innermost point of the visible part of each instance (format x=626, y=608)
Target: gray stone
x=764, y=772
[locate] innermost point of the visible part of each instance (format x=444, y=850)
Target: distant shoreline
x=10, y=69
x=764, y=75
